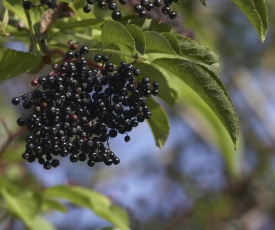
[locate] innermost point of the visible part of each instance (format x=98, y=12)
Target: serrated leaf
x=138, y=36
x=24, y=205
x=256, y=12
x=207, y=85
x=115, y=33
x=157, y=43
x=159, y=123
x=13, y=62
x=192, y=49
x=88, y=198
x=166, y=93
x=174, y=42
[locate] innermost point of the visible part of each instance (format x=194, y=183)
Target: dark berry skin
x=116, y=15
x=97, y=58
x=87, y=9
x=127, y=138
x=172, y=15
x=90, y=2
x=165, y=10
x=105, y=58
x=27, y=5
x=15, y=101
x=47, y=165
x=137, y=8
x=79, y=107
x=123, y=2
x=84, y=50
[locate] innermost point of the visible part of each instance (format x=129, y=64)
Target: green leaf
x=166, y=93
x=157, y=43
x=41, y=223
x=192, y=49
x=159, y=122
x=88, y=198
x=13, y=62
x=256, y=12
x=4, y=23
x=50, y=204
x=17, y=9
x=138, y=36
x=174, y=42
x=71, y=24
x=115, y=33
x=207, y=85
x=24, y=205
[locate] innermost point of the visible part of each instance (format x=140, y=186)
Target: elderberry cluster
x=49, y=3
x=79, y=106
x=140, y=8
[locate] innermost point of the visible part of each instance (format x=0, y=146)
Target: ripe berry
x=116, y=15
x=172, y=15
x=87, y=9
x=105, y=58
x=165, y=10
x=112, y=6
x=15, y=101
x=97, y=58
x=84, y=50
x=78, y=108
x=123, y=2
x=47, y=165
x=27, y=5
x=127, y=138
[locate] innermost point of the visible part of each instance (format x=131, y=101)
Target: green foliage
x=13, y=63
x=256, y=12
x=181, y=66
x=100, y=204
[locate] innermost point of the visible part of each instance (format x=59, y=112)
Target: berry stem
x=32, y=34
x=48, y=56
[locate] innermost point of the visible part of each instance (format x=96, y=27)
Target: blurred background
x=197, y=181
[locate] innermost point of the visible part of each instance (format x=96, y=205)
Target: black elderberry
x=27, y=5
x=55, y=163
x=84, y=50
x=87, y=9
x=116, y=15
x=123, y=2
x=157, y=3
x=101, y=4
x=47, y=165
x=165, y=10
x=112, y=6
x=144, y=2
x=97, y=58
x=137, y=8
x=90, y=1
x=79, y=108
x=172, y=15
x=15, y=101
x=126, y=138
x=105, y=58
